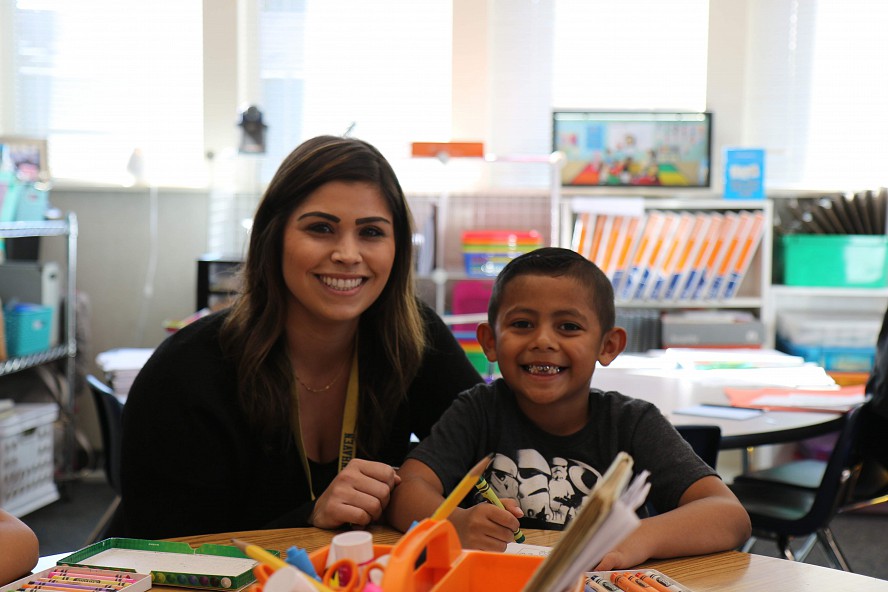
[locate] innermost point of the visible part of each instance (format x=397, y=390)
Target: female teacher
x=291, y=407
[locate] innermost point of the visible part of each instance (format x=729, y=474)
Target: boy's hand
x=485, y=526
x=358, y=495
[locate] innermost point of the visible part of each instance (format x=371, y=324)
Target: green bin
x=835, y=260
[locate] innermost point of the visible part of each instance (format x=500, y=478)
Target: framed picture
x=24, y=157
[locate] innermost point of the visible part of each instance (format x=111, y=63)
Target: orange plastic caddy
x=446, y=566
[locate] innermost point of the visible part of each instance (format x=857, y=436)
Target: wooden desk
x=730, y=571
x=670, y=393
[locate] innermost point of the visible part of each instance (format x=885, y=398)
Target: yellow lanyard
x=348, y=439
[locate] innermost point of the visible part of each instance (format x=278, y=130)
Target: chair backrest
x=110, y=411
x=704, y=439
x=840, y=473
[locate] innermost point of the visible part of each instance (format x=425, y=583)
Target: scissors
x=348, y=576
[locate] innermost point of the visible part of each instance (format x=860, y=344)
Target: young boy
x=550, y=319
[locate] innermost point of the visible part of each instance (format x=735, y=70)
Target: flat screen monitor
x=634, y=149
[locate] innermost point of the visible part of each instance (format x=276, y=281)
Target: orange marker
x=650, y=581
x=622, y=579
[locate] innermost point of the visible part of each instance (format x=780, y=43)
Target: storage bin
x=27, y=464
x=831, y=357
x=835, y=260
x=27, y=328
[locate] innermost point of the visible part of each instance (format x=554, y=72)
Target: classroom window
x=378, y=70
x=630, y=54
x=816, y=93
x=101, y=78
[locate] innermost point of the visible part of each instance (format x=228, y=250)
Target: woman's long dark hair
x=391, y=334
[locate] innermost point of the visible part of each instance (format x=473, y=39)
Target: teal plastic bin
x=27, y=328
x=835, y=260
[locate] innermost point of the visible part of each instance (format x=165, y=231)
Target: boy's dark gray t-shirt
x=550, y=475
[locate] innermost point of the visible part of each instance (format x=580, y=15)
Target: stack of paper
x=605, y=519
x=122, y=365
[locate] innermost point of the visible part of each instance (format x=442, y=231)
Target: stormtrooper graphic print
x=547, y=490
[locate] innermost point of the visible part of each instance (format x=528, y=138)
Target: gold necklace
x=325, y=388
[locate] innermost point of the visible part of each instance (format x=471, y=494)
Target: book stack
x=671, y=256
x=122, y=365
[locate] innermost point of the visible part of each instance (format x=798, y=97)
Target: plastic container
x=831, y=328
x=445, y=567
x=835, y=260
x=832, y=358
x=486, y=252
x=26, y=458
x=27, y=328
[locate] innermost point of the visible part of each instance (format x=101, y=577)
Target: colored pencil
x=460, y=491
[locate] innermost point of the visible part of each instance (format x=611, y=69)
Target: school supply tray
x=445, y=566
x=81, y=579
x=209, y=567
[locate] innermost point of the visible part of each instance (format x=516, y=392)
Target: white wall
x=115, y=246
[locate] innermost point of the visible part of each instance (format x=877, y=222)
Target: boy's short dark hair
x=557, y=262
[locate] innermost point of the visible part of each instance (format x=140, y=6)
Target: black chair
x=704, y=439
x=870, y=488
x=109, y=410
x=800, y=498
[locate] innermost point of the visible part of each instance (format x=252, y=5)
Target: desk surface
x=730, y=571
x=670, y=393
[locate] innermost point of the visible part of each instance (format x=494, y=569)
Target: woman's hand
x=358, y=495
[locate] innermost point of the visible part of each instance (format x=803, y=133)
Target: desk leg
x=747, y=458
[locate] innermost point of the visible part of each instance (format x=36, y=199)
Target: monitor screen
x=634, y=149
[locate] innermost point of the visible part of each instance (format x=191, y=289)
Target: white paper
x=719, y=412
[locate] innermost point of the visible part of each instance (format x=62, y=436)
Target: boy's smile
x=546, y=342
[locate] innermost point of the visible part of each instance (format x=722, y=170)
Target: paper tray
x=210, y=567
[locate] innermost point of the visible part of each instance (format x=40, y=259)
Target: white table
x=669, y=393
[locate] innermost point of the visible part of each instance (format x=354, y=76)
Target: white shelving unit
x=448, y=213
x=67, y=349
x=814, y=300
x=754, y=291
